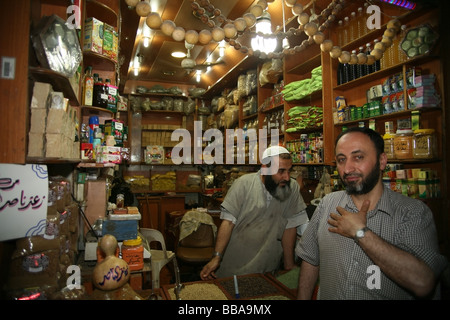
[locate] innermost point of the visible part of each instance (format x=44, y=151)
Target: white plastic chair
x=159, y=258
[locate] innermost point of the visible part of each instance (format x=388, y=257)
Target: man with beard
x=260, y=215
x=368, y=242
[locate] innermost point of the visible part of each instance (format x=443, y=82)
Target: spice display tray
x=251, y=287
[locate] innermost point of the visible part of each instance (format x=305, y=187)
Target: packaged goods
x=403, y=144
x=93, y=35
x=57, y=46
x=154, y=155
x=133, y=253
x=108, y=40
x=424, y=144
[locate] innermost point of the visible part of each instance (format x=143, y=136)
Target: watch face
x=360, y=234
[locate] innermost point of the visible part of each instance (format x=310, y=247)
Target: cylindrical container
x=93, y=124
x=424, y=144
x=133, y=253
x=403, y=144
x=120, y=200
x=389, y=145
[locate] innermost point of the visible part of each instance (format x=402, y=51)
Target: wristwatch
x=217, y=254
x=360, y=234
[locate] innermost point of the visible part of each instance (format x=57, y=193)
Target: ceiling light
x=402, y=3
x=198, y=75
x=264, y=25
x=178, y=54
x=222, y=48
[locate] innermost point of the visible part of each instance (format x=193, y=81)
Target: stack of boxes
x=39, y=264
x=101, y=38
x=53, y=125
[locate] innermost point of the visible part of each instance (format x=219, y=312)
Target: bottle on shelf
x=88, y=87
x=369, y=68
x=366, y=16
x=340, y=32
x=353, y=27
x=345, y=31
x=360, y=23
x=355, y=68
x=362, y=67
x=377, y=64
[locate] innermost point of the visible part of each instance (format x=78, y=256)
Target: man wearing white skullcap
x=260, y=215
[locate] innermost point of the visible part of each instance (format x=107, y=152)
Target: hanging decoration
x=230, y=30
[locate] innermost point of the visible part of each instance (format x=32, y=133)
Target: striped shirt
x=345, y=270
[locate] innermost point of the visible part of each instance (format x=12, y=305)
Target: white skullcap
x=274, y=151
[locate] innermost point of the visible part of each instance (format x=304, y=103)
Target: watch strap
x=364, y=230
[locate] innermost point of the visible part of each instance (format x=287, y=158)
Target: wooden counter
x=251, y=287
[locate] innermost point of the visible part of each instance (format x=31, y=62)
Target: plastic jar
x=403, y=144
x=133, y=253
x=424, y=144
x=389, y=145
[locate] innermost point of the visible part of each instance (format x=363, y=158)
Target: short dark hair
x=374, y=136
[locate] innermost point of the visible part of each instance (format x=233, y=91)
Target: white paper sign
x=23, y=200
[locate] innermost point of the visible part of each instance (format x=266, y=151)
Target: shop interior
x=109, y=106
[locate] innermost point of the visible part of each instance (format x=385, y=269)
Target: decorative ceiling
x=156, y=63
x=157, y=66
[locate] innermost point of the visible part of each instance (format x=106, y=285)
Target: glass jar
x=424, y=144
x=389, y=145
x=120, y=201
x=403, y=144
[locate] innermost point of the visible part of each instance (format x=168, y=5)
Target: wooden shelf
x=106, y=9
x=58, y=81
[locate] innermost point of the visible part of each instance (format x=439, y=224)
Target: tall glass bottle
x=360, y=22
x=353, y=27
x=369, y=68
x=366, y=16
x=355, y=68
x=346, y=30
x=340, y=32
x=88, y=87
x=362, y=67
x=377, y=64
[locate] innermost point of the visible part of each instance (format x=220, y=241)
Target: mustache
x=352, y=175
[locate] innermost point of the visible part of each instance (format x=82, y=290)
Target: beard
x=280, y=193
x=367, y=183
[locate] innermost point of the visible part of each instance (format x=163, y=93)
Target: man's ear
x=383, y=161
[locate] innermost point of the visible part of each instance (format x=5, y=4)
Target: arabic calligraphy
x=20, y=201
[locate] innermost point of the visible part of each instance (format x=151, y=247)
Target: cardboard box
x=87, y=151
x=41, y=95
x=115, y=49
x=108, y=40
x=38, y=120
x=36, y=144
x=56, y=121
x=93, y=35
x=54, y=145
x=114, y=128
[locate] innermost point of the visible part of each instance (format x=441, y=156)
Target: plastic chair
x=159, y=258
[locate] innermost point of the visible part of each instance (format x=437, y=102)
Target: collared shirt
x=255, y=243
x=345, y=271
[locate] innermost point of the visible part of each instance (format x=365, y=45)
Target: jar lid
x=388, y=136
x=404, y=131
x=133, y=242
x=424, y=131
